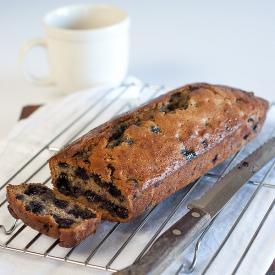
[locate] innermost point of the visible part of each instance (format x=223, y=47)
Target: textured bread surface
x=51, y=213
x=132, y=162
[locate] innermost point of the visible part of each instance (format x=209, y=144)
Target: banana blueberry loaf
x=51, y=213
x=134, y=161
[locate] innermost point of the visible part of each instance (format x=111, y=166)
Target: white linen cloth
x=30, y=135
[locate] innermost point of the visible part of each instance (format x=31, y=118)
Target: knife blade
x=174, y=240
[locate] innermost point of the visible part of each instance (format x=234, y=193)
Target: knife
x=174, y=240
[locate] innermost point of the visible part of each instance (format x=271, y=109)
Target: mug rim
x=67, y=33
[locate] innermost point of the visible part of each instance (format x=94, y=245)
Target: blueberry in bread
x=51, y=213
x=132, y=162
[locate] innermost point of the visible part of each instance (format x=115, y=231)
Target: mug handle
x=48, y=80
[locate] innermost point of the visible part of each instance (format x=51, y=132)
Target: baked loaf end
x=134, y=161
x=51, y=213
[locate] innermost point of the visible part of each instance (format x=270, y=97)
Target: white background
x=173, y=43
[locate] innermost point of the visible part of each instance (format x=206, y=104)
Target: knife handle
x=170, y=244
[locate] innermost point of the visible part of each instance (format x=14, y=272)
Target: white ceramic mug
x=87, y=45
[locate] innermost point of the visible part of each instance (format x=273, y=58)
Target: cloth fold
x=57, y=123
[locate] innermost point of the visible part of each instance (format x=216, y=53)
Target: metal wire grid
x=24, y=239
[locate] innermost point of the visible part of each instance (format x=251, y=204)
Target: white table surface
x=173, y=43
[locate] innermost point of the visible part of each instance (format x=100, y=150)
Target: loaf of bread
x=134, y=161
x=51, y=213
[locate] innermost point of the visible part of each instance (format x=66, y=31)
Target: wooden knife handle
x=170, y=244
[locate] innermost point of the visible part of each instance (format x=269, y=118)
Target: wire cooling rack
x=116, y=245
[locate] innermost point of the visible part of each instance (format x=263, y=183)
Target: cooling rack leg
x=8, y=232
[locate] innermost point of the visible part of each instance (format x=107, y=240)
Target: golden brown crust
x=156, y=149
x=46, y=224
